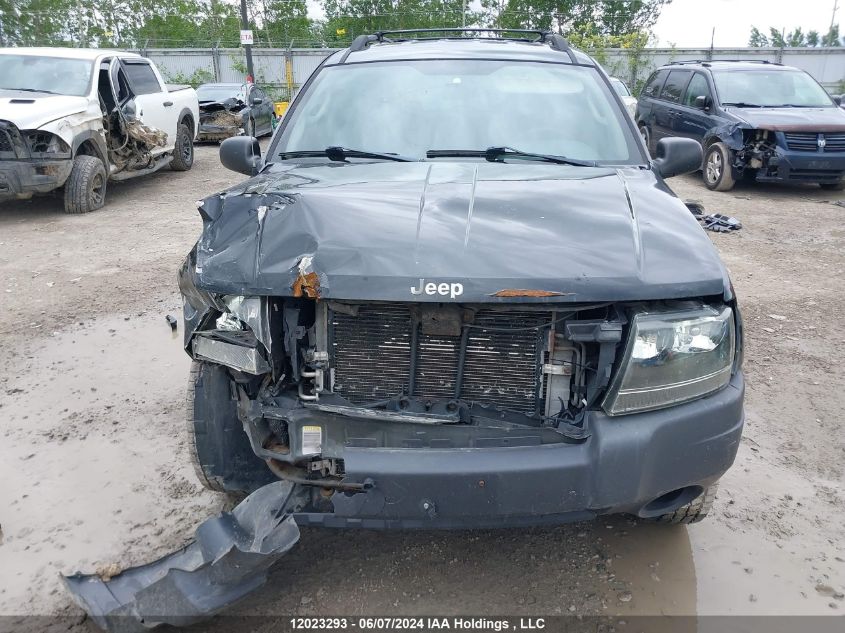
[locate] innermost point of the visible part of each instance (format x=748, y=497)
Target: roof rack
x=708, y=62
x=557, y=42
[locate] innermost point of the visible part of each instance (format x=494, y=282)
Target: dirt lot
x=94, y=463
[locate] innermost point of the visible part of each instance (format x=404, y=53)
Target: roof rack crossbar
x=707, y=62
x=557, y=42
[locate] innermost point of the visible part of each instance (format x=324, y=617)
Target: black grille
x=809, y=141
x=371, y=356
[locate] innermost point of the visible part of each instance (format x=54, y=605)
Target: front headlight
x=673, y=357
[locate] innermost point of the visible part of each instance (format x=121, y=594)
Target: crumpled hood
x=793, y=119
x=29, y=111
x=374, y=230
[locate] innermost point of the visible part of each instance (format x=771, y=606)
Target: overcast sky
x=688, y=23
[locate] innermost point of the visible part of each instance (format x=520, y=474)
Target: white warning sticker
x=312, y=439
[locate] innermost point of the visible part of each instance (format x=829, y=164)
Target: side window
x=142, y=77
x=122, y=88
x=675, y=84
x=697, y=88
x=652, y=86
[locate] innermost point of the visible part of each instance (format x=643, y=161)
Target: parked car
x=756, y=120
x=231, y=109
x=427, y=310
x=628, y=99
x=78, y=118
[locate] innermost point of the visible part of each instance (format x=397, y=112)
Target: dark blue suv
x=755, y=120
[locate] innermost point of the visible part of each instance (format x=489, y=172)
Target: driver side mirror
x=702, y=102
x=676, y=156
x=257, y=101
x=241, y=154
x=837, y=99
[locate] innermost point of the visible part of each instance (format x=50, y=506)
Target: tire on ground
x=220, y=452
x=183, y=150
x=718, y=173
x=695, y=510
x=85, y=188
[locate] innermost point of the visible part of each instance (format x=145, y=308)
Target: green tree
x=813, y=38
x=831, y=38
x=282, y=22
x=585, y=18
x=777, y=38
x=757, y=38
x=346, y=19
x=795, y=38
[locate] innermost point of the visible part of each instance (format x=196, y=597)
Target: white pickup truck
x=78, y=118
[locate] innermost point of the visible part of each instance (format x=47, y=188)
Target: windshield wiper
x=494, y=154
x=742, y=104
x=342, y=153
x=49, y=92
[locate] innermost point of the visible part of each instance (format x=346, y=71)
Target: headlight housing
x=673, y=357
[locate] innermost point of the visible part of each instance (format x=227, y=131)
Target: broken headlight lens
x=673, y=358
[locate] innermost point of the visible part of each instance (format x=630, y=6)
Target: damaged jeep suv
x=79, y=118
x=461, y=297
x=756, y=120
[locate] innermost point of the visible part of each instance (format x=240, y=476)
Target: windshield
x=620, y=88
x=411, y=107
x=50, y=75
x=220, y=93
x=769, y=88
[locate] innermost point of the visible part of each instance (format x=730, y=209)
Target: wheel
x=646, y=137
x=695, y=510
x=183, y=150
x=718, y=175
x=219, y=448
x=833, y=186
x=85, y=188
x=249, y=130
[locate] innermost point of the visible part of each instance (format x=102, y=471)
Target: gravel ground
x=93, y=456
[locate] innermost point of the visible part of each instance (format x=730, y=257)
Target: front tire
x=183, y=150
x=85, y=188
x=718, y=174
x=220, y=451
x=695, y=511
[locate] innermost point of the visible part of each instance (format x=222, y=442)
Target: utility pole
x=833, y=15
x=247, y=47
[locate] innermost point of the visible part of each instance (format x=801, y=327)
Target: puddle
x=92, y=451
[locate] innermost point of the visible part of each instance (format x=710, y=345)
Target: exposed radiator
x=371, y=357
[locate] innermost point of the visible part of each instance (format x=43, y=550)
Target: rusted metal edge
x=527, y=292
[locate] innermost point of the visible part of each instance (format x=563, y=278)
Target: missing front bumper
x=228, y=559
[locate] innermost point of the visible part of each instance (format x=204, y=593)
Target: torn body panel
x=229, y=558
x=774, y=149
x=33, y=161
x=220, y=120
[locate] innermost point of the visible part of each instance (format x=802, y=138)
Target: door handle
x=167, y=104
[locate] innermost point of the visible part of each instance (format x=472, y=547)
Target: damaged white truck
x=79, y=118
